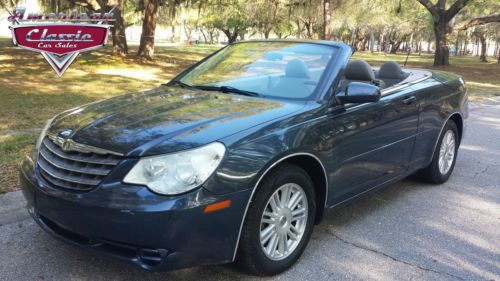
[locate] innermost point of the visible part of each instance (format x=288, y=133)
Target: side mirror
x=358, y=92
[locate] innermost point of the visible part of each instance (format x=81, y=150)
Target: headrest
x=297, y=68
x=359, y=70
x=390, y=70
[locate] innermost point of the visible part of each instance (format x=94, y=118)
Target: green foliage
x=227, y=15
x=354, y=21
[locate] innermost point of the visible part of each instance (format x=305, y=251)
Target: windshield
x=275, y=69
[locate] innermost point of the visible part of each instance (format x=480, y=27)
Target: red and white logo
x=59, y=37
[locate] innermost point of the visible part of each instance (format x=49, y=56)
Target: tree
x=120, y=46
x=147, y=42
x=479, y=20
x=92, y=5
x=480, y=34
x=8, y=5
x=267, y=15
x=231, y=17
x=326, y=20
x=442, y=25
x=307, y=14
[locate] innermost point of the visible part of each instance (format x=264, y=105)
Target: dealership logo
x=59, y=37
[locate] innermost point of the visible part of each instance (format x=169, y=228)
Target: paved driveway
x=408, y=231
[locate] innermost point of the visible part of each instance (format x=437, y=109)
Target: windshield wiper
x=180, y=83
x=224, y=89
x=227, y=89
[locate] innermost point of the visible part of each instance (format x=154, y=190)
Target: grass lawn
x=31, y=93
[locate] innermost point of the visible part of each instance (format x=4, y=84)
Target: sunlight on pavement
x=490, y=119
x=459, y=233
x=486, y=85
x=471, y=147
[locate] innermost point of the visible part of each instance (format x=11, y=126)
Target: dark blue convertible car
x=238, y=157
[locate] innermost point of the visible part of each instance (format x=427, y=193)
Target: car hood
x=166, y=119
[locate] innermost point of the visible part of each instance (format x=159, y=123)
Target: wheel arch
x=457, y=118
x=316, y=170
x=459, y=122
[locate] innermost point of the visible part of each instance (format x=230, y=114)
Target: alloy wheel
x=284, y=221
x=447, y=152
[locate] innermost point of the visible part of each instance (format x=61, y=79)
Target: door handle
x=409, y=100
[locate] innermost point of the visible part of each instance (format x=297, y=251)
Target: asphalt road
x=408, y=231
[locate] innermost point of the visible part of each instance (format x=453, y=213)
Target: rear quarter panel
x=439, y=97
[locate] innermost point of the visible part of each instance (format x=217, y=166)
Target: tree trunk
x=362, y=44
x=172, y=29
x=498, y=52
x=308, y=27
x=395, y=46
x=266, y=33
x=120, y=47
x=204, y=36
x=231, y=36
x=354, y=37
x=442, y=18
x=210, y=36
x=381, y=42
x=457, y=45
x=372, y=39
x=482, y=39
x=299, y=28
x=147, y=43
x=326, y=20
x=464, y=45
x=496, y=49
x=442, y=50
x=187, y=30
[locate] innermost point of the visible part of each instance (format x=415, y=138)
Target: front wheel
x=445, y=155
x=279, y=222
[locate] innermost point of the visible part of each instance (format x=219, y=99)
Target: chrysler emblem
x=66, y=145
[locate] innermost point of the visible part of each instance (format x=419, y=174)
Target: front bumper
x=133, y=224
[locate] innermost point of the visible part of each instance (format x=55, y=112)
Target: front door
x=371, y=144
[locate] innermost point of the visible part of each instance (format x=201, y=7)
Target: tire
x=433, y=173
x=252, y=257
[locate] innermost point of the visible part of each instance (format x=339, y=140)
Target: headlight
x=178, y=172
x=43, y=133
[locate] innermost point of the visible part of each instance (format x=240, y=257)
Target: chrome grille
x=73, y=170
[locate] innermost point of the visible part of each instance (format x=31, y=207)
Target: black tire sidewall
x=286, y=174
x=439, y=177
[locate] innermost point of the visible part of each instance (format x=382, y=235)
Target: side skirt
x=373, y=189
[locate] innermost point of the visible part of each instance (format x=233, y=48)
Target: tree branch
x=441, y=4
x=90, y=4
x=430, y=7
x=477, y=21
x=455, y=8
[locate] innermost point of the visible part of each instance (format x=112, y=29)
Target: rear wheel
x=279, y=222
x=445, y=155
